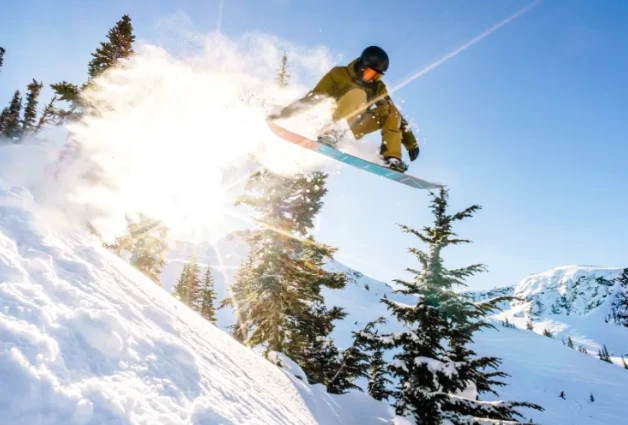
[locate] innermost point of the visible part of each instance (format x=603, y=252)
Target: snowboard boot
x=395, y=164
x=329, y=139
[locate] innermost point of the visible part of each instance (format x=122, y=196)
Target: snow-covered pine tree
x=379, y=383
x=569, y=342
x=208, y=295
x=354, y=361
x=286, y=269
x=439, y=376
x=11, y=123
x=30, y=111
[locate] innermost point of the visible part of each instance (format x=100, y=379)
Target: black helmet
x=376, y=58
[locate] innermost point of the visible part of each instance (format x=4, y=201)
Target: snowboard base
x=349, y=159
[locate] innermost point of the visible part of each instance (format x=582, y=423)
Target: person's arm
x=325, y=87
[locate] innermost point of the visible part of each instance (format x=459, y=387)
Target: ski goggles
x=370, y=74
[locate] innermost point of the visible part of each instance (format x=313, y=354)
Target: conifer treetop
x=119, y=46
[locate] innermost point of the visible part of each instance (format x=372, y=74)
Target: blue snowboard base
x=354, y=161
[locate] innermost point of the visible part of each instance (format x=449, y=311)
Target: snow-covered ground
x=86, y=339
x=540, y=367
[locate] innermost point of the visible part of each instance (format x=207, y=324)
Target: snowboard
x=349, y=159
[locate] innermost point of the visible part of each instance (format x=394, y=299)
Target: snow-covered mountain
x=86, y=339
x=571, y=301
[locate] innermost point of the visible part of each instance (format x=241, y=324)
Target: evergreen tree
x=604, y=355
x=530, y=325
x=2, y=52
x=188, y=288
x=146, y=242
x=46, y=115
x=434, y=364
x=569, y=342
x=208, y=295
x=548, y=333
x=354, y=361
x=592, y=398
x=378, y=376
x=285, y=276
x=240, y=298
x=282, y=73
x=4, y=117
x=11, y=122
x=119, y=45
x=30, y=111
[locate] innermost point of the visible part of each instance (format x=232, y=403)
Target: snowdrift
x=86, y=339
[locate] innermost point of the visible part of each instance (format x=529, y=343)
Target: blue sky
x=530, y=123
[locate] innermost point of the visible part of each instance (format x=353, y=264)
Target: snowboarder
x=363, y=100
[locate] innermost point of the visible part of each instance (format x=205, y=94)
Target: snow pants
x=385, y=118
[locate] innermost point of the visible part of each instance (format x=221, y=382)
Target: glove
x=408, y=139
x=414, y=153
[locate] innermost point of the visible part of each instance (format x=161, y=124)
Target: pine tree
x=4, y=117
x=11, y=123
x=46, y=115
x=592, y=398
x=208, y=295
x=354, y=361
x=282, y=73
x=240, y=298
x=30, y=111
x=569, y=342
x=434, y=364
x=530, y=325
x=378, y=376
x=119, y=45
x=145, y=240
x=604, y=355
x=2, y=52
x=548, y=333
x=188, y=287
x=286, y=274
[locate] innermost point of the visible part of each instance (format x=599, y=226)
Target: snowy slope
x=86, y=339
x=540, y=367
x=569, y=301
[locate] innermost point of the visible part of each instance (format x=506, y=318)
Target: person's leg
x=387, y=119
